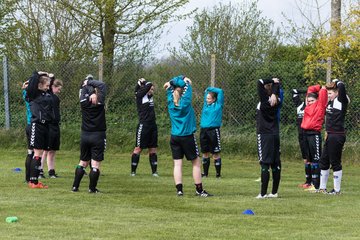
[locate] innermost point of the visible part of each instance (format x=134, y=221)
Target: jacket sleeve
x=142, y=91
x=102, y=88
x=178, y=81
x=220, y=95
x=313, y=89
x=261, y=89
x=323, y=99
x=296, y=98
x=186, y=97
x=32, y=88
x=342, y=92
x=169, y=95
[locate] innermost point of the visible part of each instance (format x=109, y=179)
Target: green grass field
x=144, y=207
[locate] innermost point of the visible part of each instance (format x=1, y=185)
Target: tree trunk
x=335, y=17
x=109, y=39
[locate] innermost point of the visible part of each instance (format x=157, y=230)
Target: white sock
x=337, y=180
x=324, y=176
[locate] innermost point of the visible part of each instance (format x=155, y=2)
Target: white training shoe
x=272, y=195
x=260, y=196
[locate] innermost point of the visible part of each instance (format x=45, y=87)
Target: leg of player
x=178, y=177
x=153, y=161
x=135, y=158
x=41, y=168
x=94, y=176
x=217, y=163
x=206, y=164
x=79, y=173
x=51, y=164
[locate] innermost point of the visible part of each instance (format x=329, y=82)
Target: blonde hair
x=177, y=95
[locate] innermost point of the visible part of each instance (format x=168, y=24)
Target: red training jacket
x=314, y=114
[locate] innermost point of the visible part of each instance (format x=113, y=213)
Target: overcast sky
x=272, y=9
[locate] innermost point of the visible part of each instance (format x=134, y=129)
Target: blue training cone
x=17, y=169
x=248, y=212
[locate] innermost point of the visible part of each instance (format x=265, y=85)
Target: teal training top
x=183, y=121
x=28, y=111
x=211, y=115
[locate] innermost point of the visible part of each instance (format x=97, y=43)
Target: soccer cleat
x=75, y=189
x=275, y=195
x=180, y=193
x=52, y=174
x=155, y=174
x=38, y=185
x=311, y=189
x=218, y=176
x=133, y=174
x=94, y=191
x=204, y=175
x=260, y=196
x=203, y=193
x=305, y=185
x=323, y=191
x=333, y=192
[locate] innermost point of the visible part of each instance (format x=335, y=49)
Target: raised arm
x=297, y=100
x=219, y=92
x=32, y=88
x=142, y=91
x=101, y=86
x=342, y=97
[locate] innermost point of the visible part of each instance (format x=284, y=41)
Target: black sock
x=276, y=174
x=35, y=164
x=265, y=176
x=94, y=177
x=206, y=165
x=218, y=167
x=79, y=173
x=153, y=162
x=134, y=162
x=199, y=187
x=51, y=172
x=179, y=187
x=28, y=166
x=315, y=175
x=308, y=173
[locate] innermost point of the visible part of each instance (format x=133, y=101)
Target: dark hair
x=312, y=95
x=213, y=95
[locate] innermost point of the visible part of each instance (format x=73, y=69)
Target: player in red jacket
x=314, y=114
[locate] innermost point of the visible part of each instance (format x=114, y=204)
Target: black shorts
x=332, y=152
x=313, y=146
x=184, y=145
x=28, y=135
x=268, y=148
x=39, y=135
x=92, y=145
x=210, y=140
x=146, y=135
x=54, y=137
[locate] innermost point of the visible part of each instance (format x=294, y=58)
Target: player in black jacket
x=93, y=132
x=268, y=140
x=146, y=132
x=54, y=128
x=335, y=135
x=300, y=105
x=41, y=106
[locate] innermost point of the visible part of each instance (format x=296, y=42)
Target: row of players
x=183, y=126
